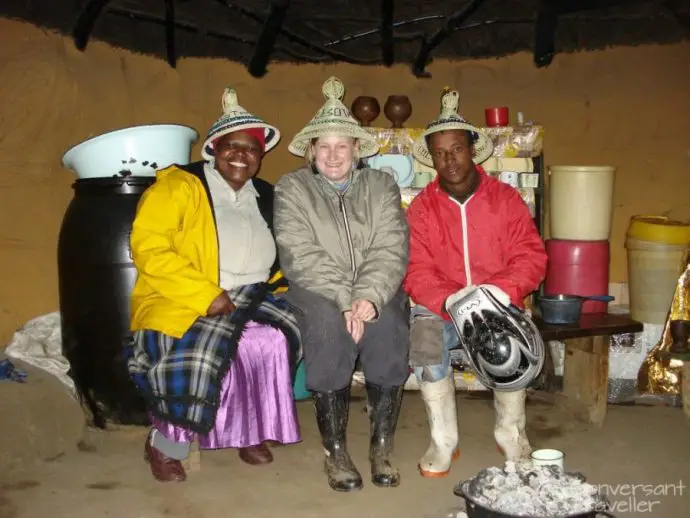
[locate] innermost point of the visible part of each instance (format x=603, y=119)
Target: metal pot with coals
x=470, y=491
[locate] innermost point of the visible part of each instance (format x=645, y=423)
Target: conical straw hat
x=450, y=120
x=334, y=117
x=236, y=118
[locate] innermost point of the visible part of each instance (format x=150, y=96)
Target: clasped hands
x=362, y=311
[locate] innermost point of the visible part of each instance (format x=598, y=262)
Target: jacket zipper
x=466, y=244
x=465, y=238
x=343, y=211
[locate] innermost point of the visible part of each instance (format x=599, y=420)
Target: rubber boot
x=384, y=408
x=509, y=430
x=441, y=410
x=332, y=410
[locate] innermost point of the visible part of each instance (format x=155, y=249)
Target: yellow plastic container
x=656, y=251
x=581, y=202
x=659, y=229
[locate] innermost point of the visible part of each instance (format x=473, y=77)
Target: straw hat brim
x=272, y=135
x=483, y=146
x=368, y=146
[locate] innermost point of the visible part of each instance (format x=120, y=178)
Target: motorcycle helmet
x=503, y=345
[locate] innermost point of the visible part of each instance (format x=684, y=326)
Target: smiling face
x=238, y=158
x=334, y=156
x=451, y=152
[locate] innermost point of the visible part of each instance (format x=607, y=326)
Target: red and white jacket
x=489, y=239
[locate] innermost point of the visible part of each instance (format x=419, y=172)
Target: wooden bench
x=586, y=362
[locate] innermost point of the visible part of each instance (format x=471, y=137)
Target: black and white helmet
x=503, y=345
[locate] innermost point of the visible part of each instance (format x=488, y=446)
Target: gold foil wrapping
x=680, y=307
x=397, y=141
x=525, y=140
x=660, y=375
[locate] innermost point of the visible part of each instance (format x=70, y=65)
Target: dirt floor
x=53, y=468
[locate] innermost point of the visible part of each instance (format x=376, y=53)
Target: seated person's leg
x=437, y=387
x=329, y=360
x=437, y=372
x=256, y=403
x=385, y=345
x=329, y=352
x=509, y=427
x=385, y=348
x=164, y=454
x=421, y=311
x=172, y=441
x=166, y=444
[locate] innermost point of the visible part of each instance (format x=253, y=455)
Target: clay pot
x=365, y=109
x=398, y=109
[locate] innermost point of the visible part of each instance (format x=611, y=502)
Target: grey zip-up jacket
x=345, y=246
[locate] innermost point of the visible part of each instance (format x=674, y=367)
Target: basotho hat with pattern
x=334, y=117
x=236, y=118
x=450, y=120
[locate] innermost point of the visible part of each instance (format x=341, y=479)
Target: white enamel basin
x=135, y=151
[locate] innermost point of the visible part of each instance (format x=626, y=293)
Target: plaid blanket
x=180, y=378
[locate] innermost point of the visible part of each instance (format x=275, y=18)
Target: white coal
x=533, y=491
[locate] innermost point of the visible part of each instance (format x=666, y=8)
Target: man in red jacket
x=467, y=229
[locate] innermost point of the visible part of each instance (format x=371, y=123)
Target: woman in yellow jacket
x=214, y=348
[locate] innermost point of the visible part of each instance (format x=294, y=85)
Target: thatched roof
x=255, y=32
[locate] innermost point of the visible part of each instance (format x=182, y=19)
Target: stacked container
x=656, y=249
x=580, y=213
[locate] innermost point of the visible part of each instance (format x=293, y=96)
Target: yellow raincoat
x=174, y=246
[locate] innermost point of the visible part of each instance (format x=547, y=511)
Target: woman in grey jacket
x=343, y=244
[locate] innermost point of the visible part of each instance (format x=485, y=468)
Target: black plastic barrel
x=96, y=277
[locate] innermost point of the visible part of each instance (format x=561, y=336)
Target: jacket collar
x=265, y=202
x=214, y=178
x=328, y=188
x=436, y=187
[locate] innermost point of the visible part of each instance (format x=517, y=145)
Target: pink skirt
x=256, y=399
